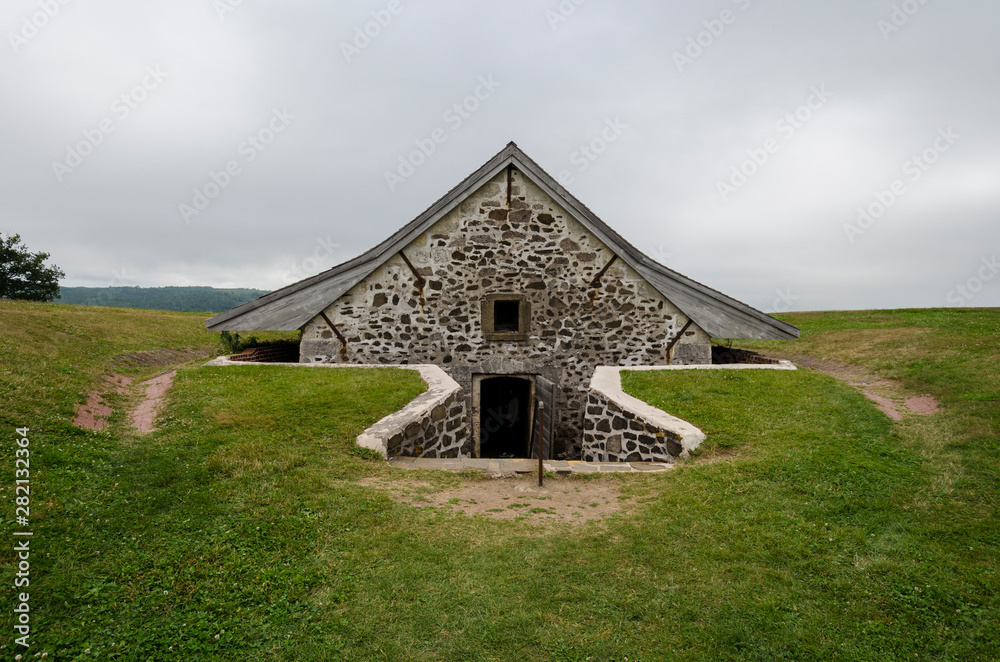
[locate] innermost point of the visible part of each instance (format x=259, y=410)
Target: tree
x=24, y=275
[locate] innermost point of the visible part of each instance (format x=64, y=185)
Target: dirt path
x=887, y=395
x=561, y=500
x=95, y=412
x=144, y=415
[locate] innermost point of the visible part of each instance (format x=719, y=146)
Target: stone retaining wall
x=621, y=428
x=436, y=431
x=614, y=434
x=432, y=425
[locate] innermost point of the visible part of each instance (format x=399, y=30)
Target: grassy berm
x=249, y=527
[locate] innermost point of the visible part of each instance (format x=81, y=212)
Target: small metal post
x=541, y=419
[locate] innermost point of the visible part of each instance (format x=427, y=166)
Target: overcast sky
x=736, y=141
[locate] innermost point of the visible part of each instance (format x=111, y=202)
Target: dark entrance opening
x=506, y=316
x=504, y=406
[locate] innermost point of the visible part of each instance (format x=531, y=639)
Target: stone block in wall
x=692, y=354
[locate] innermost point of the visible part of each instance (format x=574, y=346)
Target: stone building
x=518, y=292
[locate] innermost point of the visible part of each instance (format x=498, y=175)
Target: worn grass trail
x=810, y=527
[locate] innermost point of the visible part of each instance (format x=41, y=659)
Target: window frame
x=524, y=318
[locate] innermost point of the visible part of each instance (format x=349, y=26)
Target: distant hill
x=180, y=299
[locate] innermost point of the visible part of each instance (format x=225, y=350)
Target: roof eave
x=229, y=320
x=738, y=320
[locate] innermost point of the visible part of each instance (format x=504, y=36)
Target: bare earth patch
x=924, y=404
x=144, y=415
x=561, y=500
x=888, y=396
x=94, y=413
x=161, y=357
x=883, y=404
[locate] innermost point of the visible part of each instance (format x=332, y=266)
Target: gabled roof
x=293, y=306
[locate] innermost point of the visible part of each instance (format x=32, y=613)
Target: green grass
x=824, y=528
x=810, y=527
x=217, y=523
x=52, y=354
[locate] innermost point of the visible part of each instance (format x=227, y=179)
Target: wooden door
x=545, y=392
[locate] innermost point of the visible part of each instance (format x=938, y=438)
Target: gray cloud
x=321, y=180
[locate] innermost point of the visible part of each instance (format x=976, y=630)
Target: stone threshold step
x=517, y=467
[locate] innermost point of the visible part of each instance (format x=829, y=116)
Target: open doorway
x=504, y=416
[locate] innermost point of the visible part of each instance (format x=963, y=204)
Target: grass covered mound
x=247, y=527
x=219, y=523
x=814, y=528
x=53, y=353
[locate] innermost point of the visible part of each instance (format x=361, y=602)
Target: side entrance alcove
x=508, y=274
x=621, y=428
x=502, y=415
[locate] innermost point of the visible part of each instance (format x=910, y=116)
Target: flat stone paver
x=521, y=466
x=650, y=466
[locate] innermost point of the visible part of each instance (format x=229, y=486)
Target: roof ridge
x=690, y=292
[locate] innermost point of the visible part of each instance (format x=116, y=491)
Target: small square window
x=506, y=316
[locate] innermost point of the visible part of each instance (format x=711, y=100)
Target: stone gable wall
x=532, y=248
